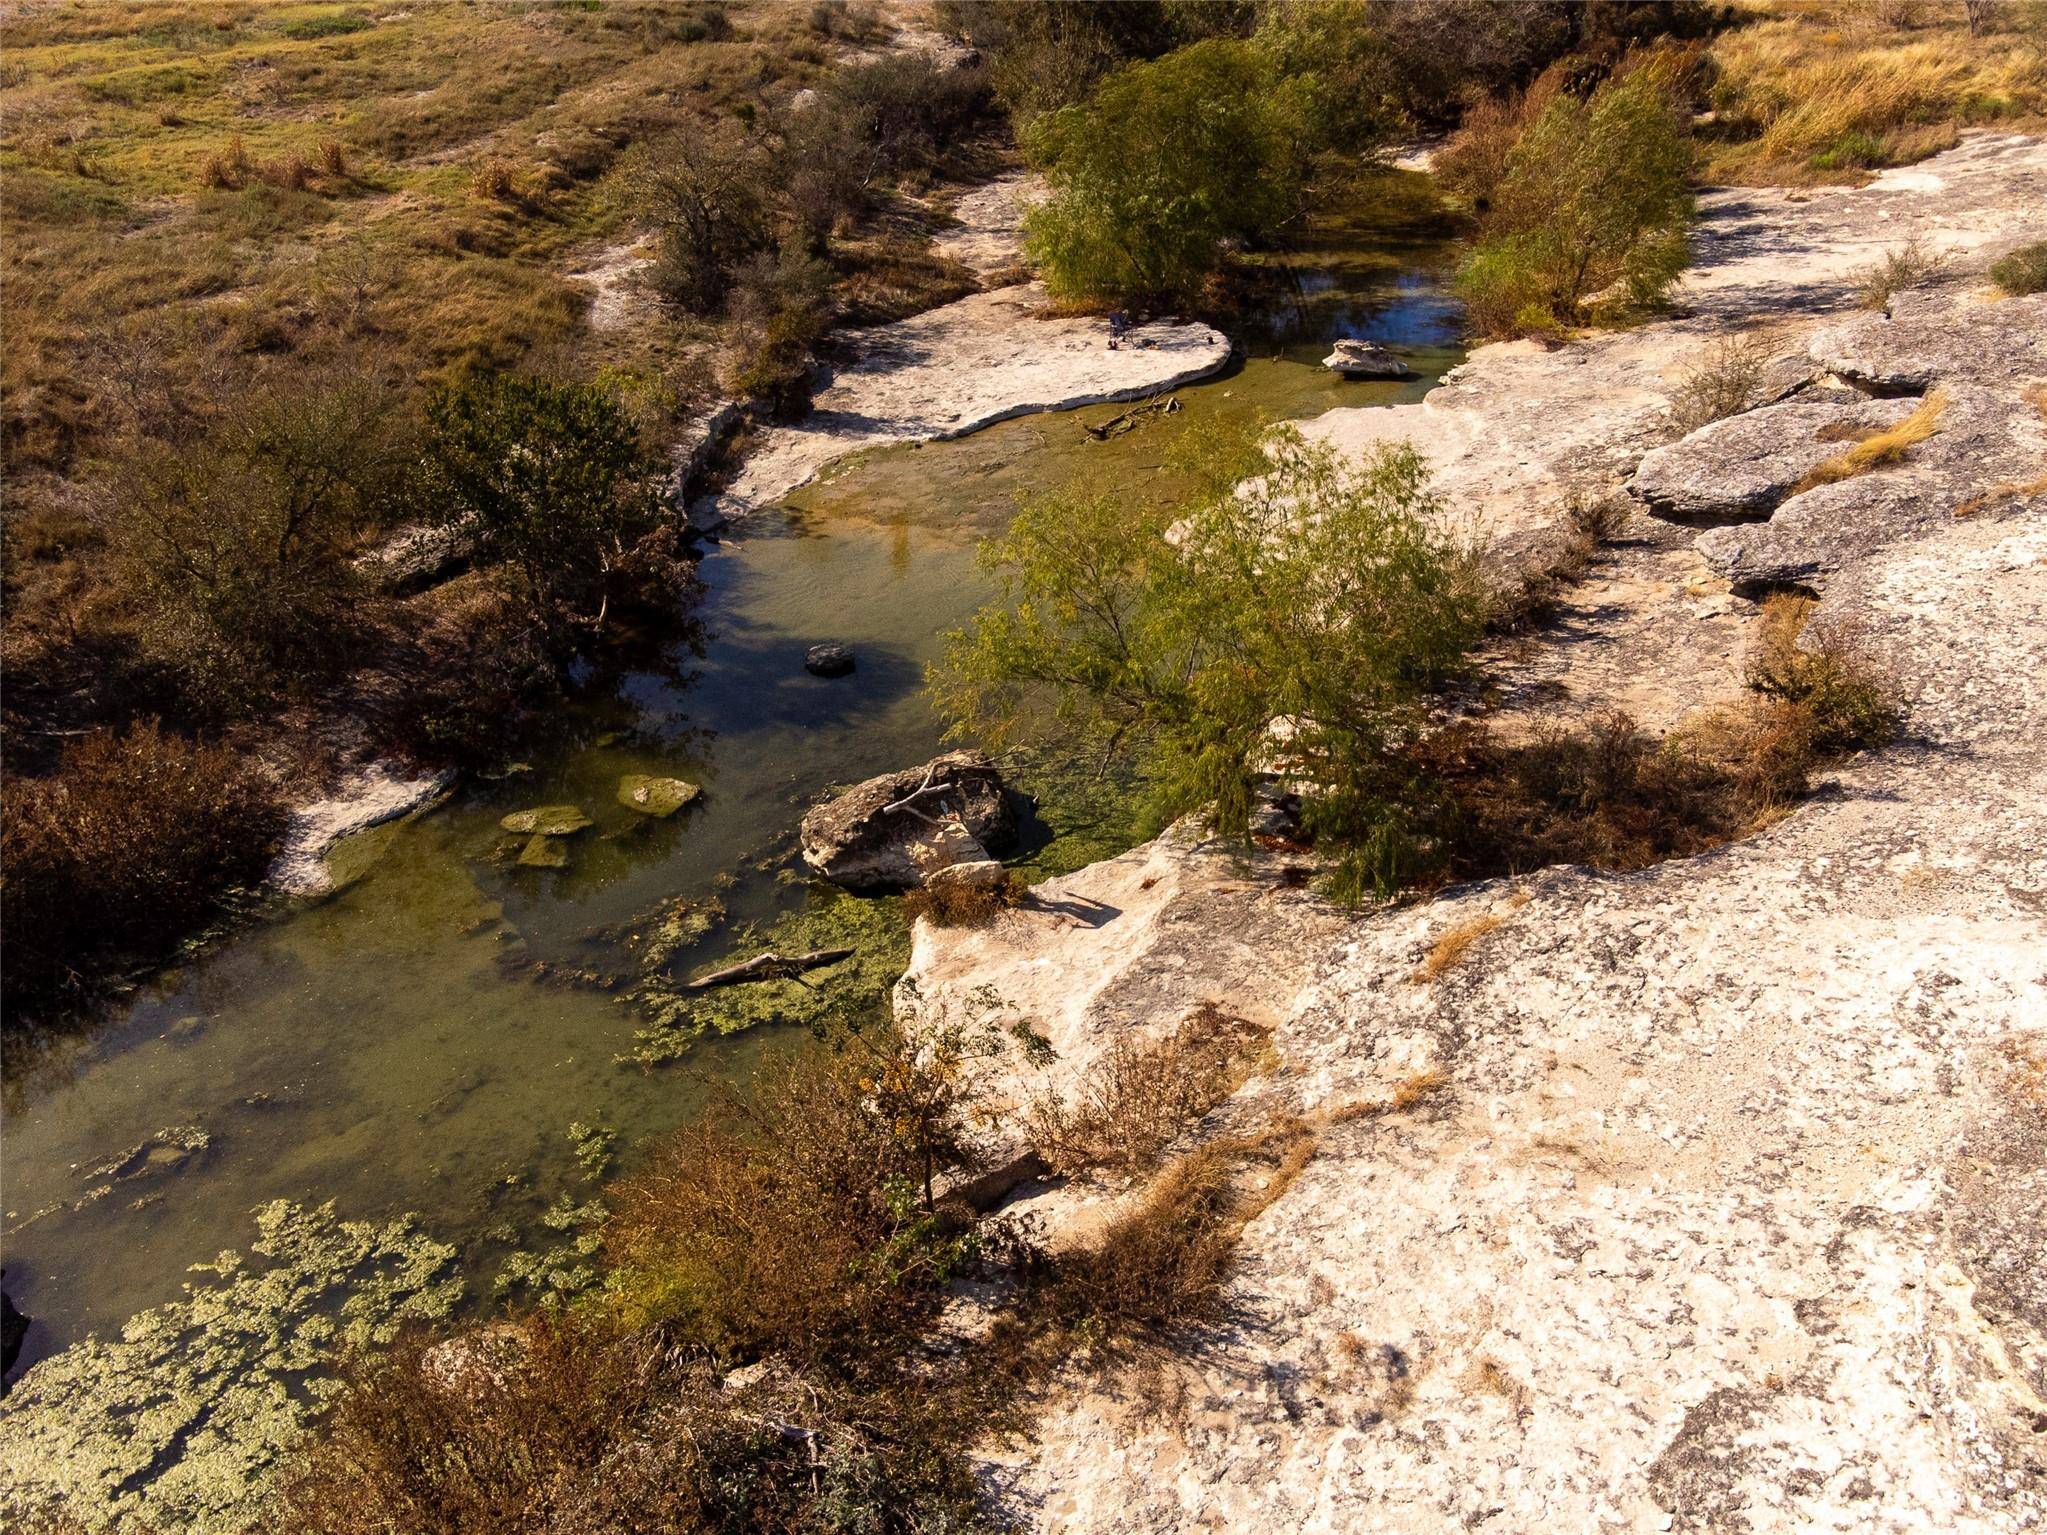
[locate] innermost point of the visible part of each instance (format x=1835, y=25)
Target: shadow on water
x=393, y=1049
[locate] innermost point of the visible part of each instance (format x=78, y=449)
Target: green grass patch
x=2024, y=270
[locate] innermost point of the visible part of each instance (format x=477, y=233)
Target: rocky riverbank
x=1726, y=1214
x=965, y=365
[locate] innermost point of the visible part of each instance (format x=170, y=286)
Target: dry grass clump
x=1880, y=449
x=1453, y=945
x=1726, y=381
x=1609, y=794
x=134, y=838
x=2023, y=271
x=1801, y=95
x=291, y=171
x=953, y=903
x=1160, y=1267
x=1409, y=1093
x=555, y=1424
x=1530, y=592
x=790, y=1219
x=1143, y=1094
x=1904, y=267
x=1839, y=690
x=228, y=167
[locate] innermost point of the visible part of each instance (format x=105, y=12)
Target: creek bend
x=400, y=1047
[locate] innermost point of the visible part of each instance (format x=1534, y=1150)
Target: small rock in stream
x=653, y=796
x=828, y=660
x=548, y=821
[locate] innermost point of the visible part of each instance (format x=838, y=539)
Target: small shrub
x=126, y=846
x=782, y=309
x=1726, y=381
x=1142, y=1095
x=555, y=1423
x=706, y=195
x=553, y=480
x=953, y=904
x=2024, y=270
x=1880, y=449
x=1904, y=267
x=492, y=181
x=1593, y=200
x=235, y=546
x=333, y=158
x=792, y=1218
x=1854, y=150
x=1833, y=683
x=1606, y=794
x=465, y=674
x=1292, y=586
x=1044, y=57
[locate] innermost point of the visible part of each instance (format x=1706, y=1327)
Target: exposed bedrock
x=1741, y=468
x=1727, y=1215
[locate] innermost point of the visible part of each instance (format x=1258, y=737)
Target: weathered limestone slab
x=1741, y=468
x=369, y=796
x=1728, y=1216
x=955, y=369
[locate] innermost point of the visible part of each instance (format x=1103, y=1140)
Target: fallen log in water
x=770, y=967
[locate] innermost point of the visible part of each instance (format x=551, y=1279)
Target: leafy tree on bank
x=1583, y=198
x=1163, y=168
x=1293, y=587
x=556, y=484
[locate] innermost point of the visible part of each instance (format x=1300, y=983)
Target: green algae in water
x=565, y=1269
x=1087, y=813
x=593, y=1144
x=873, y=927
x=180, y=1422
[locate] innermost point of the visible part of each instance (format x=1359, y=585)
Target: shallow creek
x=399, y=1047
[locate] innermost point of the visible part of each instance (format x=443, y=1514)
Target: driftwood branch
x=1125, y=421
x=907, y=805
x=770, y=967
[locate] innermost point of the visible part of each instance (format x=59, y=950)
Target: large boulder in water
x=894, y=831
x=1364, y=359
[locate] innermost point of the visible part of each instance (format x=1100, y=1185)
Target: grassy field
x=240, y=173
x=1829, y=90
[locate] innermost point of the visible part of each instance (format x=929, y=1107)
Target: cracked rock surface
x=1728, y=1215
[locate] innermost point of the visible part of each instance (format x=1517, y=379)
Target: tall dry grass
x=1816, y=93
